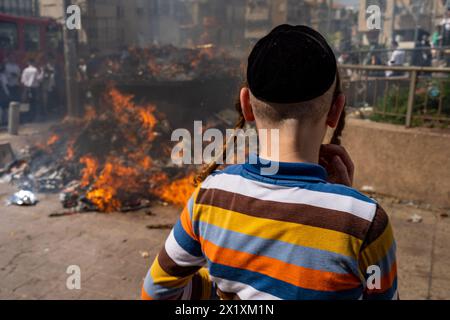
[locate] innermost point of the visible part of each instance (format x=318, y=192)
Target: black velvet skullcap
x=291, y=64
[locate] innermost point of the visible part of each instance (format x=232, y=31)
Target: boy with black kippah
x=302, y=233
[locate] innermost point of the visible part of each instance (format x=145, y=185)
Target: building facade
x=405, y=20
x=28, y=8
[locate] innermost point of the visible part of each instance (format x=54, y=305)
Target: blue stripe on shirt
x=186, y=242
x=278, y=288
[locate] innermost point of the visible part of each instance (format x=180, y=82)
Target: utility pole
x=393, y=18
x=70, y=62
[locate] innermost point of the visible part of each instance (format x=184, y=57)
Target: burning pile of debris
x=169, y=63
x=114, y=159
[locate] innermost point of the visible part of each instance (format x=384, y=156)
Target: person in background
x=83, y=82
x=82, y=71
x=93, y=64
x=375, y=61
x=12, y=71
x=436, y=42
x=397, y=59
x=4, y=95
x=427, y=57
x=48, y=87
x=31, y=80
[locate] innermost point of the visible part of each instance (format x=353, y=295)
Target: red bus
x=30, y=37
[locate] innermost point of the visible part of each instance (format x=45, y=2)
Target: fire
x=90, y=170
x=148, y=120
x=110, y=154
x=146, y=162
x=89, y=113
x=179, y=191
x=105, y=192
x=52, y=140
x=70, y=153
x=127, y=173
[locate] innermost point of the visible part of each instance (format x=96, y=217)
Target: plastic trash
x=415, y=218
x=23, y=198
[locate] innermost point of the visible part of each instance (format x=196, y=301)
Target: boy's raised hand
x=338, y=164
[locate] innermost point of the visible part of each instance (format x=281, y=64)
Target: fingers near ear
x=246, y=106
x=332, y=151
x=336, y=111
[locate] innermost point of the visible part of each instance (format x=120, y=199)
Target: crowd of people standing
x=34, y=86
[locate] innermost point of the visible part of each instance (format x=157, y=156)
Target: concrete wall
x=410, y=164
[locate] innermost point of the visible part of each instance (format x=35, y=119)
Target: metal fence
x=414, y=96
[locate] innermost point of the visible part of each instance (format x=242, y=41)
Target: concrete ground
x=114, y=251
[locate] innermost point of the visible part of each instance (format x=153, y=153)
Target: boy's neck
x=296, y=144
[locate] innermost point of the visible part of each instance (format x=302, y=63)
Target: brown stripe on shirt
x=172, y=268
x=378, y=226
x=288, y=212
x=197, y=287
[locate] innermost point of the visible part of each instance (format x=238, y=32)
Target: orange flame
x=52, y=140
x=179, y=191
x=89, y=172
x=113, y=178
x=111, y=183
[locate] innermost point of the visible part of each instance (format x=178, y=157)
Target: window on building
x=8, y=35
x=54, y=38
x=32, y=39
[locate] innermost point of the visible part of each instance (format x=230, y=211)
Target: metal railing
x=414, y=96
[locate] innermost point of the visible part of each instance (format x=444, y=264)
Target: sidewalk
x=36, y=250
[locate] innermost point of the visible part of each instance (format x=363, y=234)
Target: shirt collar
x=287, y=170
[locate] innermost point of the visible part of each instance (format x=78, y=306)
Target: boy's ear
x=336, y=110
x=246, y=106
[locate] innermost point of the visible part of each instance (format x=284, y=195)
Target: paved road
x=36, y=250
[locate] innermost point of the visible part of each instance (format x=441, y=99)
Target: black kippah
x=291, y=64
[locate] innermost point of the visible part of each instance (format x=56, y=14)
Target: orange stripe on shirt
x=144, y=295
x=296, y=275
x=386, y=282
x=187, y=224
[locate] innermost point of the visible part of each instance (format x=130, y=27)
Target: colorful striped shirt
x=288, y=236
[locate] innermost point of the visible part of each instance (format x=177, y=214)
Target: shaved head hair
x=277, y=113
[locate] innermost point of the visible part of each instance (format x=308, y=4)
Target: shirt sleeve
x=377, y=260
x=177, y=272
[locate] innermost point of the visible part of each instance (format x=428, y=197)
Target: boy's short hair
x=291, y=73
x=311, y=111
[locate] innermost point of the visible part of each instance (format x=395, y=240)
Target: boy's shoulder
x=237, y=175
x=338, y=189
x=346, y=206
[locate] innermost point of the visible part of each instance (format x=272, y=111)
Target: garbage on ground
x=167, y=63
x=415, y=218
x=368, y=189
x=23, y=198
x=144, y=254
x=111, y=161
x=159, y=226
x=6, y=157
